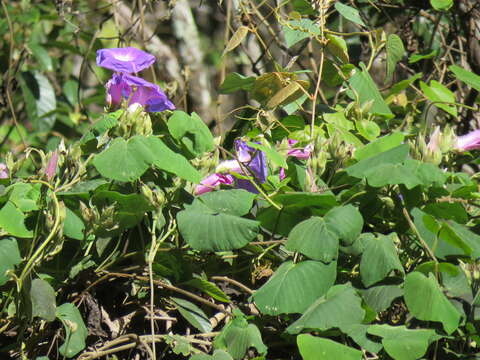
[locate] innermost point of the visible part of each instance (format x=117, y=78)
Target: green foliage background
x=367, y=249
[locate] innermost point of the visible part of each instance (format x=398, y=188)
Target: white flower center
x=124, y=57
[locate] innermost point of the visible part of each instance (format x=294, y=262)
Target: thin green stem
x=36, y=255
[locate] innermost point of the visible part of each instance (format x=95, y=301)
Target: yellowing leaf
x=236, y=39
x=284, y=94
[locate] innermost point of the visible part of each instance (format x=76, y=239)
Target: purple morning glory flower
x=124, y=60
x=256, y=164
x=212, y=181
x=137, y=91
x=471, y=141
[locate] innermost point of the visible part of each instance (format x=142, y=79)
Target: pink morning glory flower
x=297, y=152
x=212, y=181
x=137, y=91
x=3, y=171
x=124, y=60
x=471, y=141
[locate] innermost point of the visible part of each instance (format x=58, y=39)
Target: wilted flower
x=3, y=171
x=212, y=181
x=298, y=152
x=124, y=60
x=137, y=91
x=471, y=141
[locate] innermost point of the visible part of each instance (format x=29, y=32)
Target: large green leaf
x=395, y=53
x=380, y=145
x=411, y=174
x=191, y=131
x=217, y=355
x=12, y=221
x=366, y=165
x=42, y=56
x=294, y=287
x=466, y=76
x=440, y=95
x=120, y=162
x=204, y=227
x=339, y=308
x=42, y=297
x=448, y=211
x=346, y=221
x=402, y=343
x=379, y=258
x=446, y=238
x=238, y=336
x=365, y=90
x=392, y=167
x=441, y=5
x=40, y=100
x=316, y=348
x=349, y=13
x=358, y=332
x=297, y=30
x=426, y=301
x=193, y=314
x=380, y=297
x=24, y=196
x=75, y=329
x=323, y=202
x=234, y=202
x=315, y=239
x=9, y=257
x=128, y=160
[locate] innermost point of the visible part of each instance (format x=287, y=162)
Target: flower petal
x=124, y=60
x=137, y=91
x=211, y=182
x=471, y=141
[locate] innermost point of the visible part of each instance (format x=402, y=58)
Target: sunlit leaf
x=349, y=13
x=402, y=343
x=317, y=348
x=75, y=330
x=379, y=258
x=291, y=289
x=440, y=95
x=340, y=307
x=426, y=302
